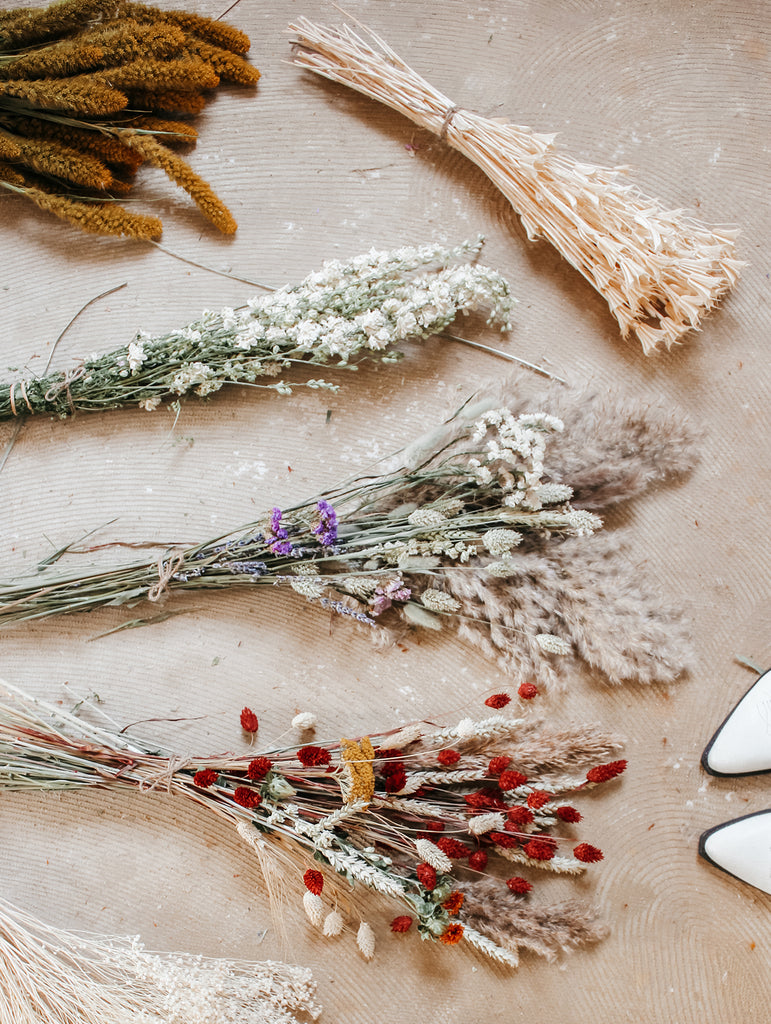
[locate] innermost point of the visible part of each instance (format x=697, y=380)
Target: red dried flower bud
x=454, y=902
x=537, y=799
x=401, y=924
x=448, y=757
x=604, y=772
x=588, y=854
x=527, y=691
x=387, y=753
x=391, y=768
x=478, y=860
x=426, y=876
x=432, y=825
x=540, y=849
x=511, y=779
x=452, y=934
x=519, y=885
x=519, y=816
x=498, y=700
x=205, y=777
x=567, y=813
x=249, y=721
x=396, y=781
x=314, y=881
x=247, y=797
x=258, y=768
x=453, y=848
x=313, y=757
x=498, y=765
x=482, y=799
x=504, y=840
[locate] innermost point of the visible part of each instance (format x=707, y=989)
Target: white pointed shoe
x=742, y=744
x=742, y=848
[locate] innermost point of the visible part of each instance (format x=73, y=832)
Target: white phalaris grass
x=365, y=940
x=52, y=976
x=658, y=270
x=347, y=311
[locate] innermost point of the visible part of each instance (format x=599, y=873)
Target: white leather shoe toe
x=742, y=848
x=742, y=744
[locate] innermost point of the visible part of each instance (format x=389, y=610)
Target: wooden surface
x=678, y=91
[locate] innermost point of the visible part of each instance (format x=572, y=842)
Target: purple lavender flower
x=277, y=535
x=343, y=609
x=326, y=528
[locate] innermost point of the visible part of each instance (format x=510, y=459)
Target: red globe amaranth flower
x=387, y=753
x=313, y=757
x=426, y=876
x=511, y=780
x=454, y=902
x=484, y=799
x=527, y=691
x=314, y=881
x=396, y=781
x=432, y=825
x=567, y=813
x=391, y=768
x=519, y=885
x=504, y=840
x=519, y=816
x=401, y=924
x=478, y=860
x=452, y=934
x=587, y=854
x=540, y=849
x=453, y=848
x=205, y=777
x=603, y=772
x=447, y=757
x=247, y=797
x=249, y=721
x=537, y=799
x=258, y=768
x=498, y=700
x=498, y=765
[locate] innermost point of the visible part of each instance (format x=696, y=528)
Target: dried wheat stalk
x=658, y=270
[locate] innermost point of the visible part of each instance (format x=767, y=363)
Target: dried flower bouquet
x=432, y=818
x=347, y=311
x=50, y=975
x=92, y=89
x=471, y=526
x=658, y=270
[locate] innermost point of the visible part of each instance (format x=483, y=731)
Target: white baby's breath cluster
x=514, y=448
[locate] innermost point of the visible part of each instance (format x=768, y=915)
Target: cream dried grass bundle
x=658, y=270
x=52, y=976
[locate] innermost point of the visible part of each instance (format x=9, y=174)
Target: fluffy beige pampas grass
x=658, y=270
x=52, y=976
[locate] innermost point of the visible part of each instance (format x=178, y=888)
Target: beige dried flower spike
x=658, y=270
x=52, y=976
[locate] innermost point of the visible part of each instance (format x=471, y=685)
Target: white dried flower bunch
x=343, y=313
x=52, y=976
x=658, y=270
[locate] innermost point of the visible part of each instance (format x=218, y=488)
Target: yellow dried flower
x=58, y=61
x=358, y=775
x=180, y=102
x=59, y=161
x=77, y=95
x=128, y=40
x=9, y=150
x=32, y=25
x=227, y=65
x=186, y=75
x=216, y=32
x=179, y=132
x=10, y=175
x=97, y=218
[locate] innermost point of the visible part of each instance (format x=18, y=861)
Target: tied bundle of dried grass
x=346, y=312
x=85, y=87
x=472, y=526
x=52, y=976
x=658, y=270
x=428, y=817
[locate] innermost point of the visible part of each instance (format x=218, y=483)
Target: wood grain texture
x=680, y=92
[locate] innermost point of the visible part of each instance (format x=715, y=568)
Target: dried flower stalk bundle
x=346, y=312
x=50, y=975
x=92, y=89
x=471, y=526
x=658, y=270
x=432, y=818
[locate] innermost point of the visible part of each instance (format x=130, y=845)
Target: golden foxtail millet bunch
x=92, y=89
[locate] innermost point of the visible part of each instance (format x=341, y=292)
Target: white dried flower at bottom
x=501, y=570
x=554, y=494
x=486, y=823
x=583, y=523
x=552, y=644
x=466, y=727
x=431, y=854
x=314, y=908
x=136, y=355
x=304, y=721
x=333, y=924
x=403, y=738
x=500, y=542
x=365, y=940
x=150, y=404
x=438, y=601
x=308, y=587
